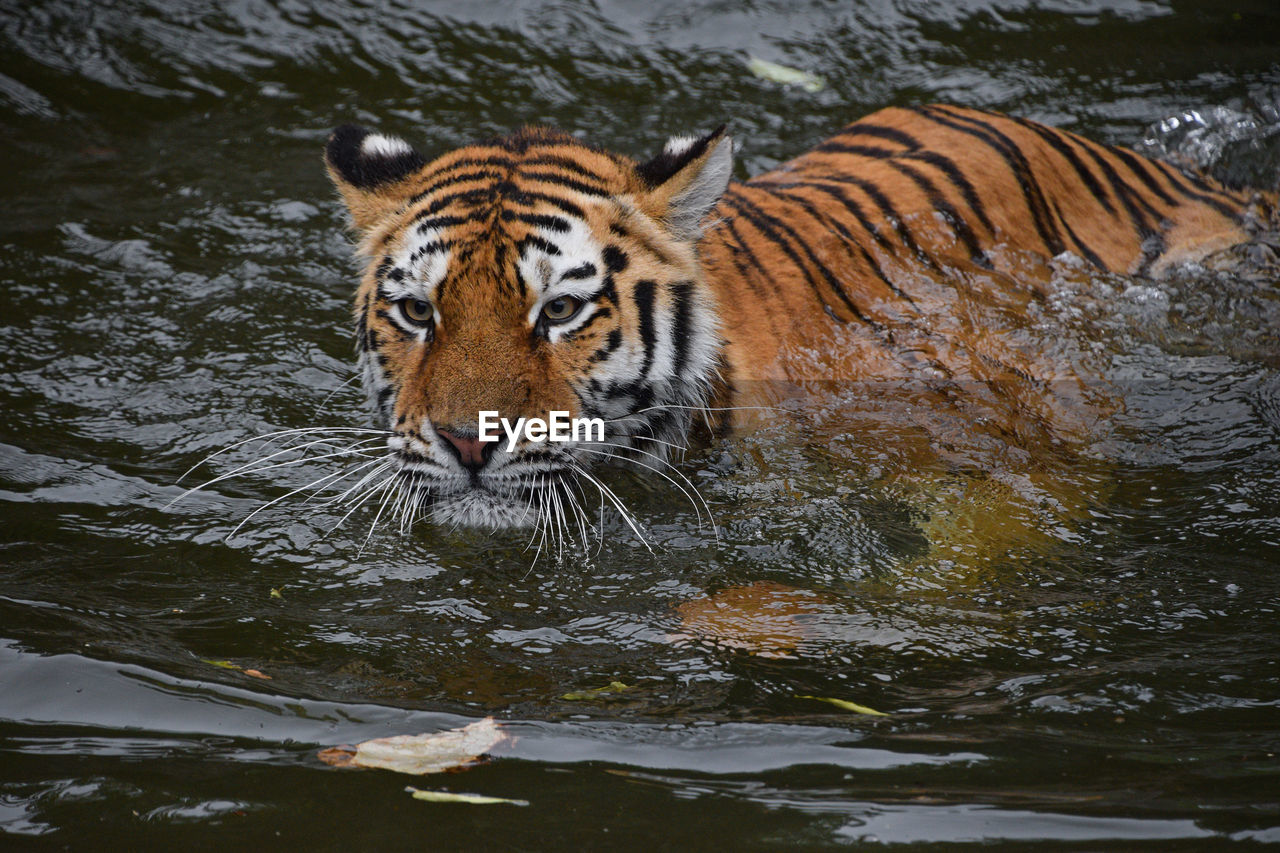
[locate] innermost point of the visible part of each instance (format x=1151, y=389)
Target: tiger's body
x=534, y=273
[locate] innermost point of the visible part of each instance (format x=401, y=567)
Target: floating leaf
x=221, y=664
x=474, y=799
x=785, y=74
x=847, y=705
x=257, y=674
x=275, y=593
x=339, y=756
x=596, y=693
x=419, y=754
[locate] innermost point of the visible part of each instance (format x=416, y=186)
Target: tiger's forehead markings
x=527, y=194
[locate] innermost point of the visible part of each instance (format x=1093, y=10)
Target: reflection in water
x=175, y=282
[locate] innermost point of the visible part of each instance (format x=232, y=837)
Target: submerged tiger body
x=534, y=273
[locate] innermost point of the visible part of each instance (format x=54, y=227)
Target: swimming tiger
x=535, y=273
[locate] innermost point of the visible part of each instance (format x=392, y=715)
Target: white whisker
x=271, y=436
x=696, y=508
x=616, y=501
x=256, y=467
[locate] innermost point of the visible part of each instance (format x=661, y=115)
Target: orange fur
x=905, y=252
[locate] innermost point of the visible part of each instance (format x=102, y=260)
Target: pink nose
x=472, y=452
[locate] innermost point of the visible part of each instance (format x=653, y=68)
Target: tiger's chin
x=493, y=506
x=483, y=508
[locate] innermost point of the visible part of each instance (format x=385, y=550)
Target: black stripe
x=535, y=240
x=682, y=322
x=425, y=221
x=568, y=183
x=952, y=172
x=1134, y=162
x=961, y=228
x=615, y=260
x=933, y=158
x=587, y=270
x=835, y=146
x=530, y=198
x=1232, y=208
x=852, y=206
x=1009, y=152
x=890, y=214
x=865, y=128
x=1058, y=140
x=1123, y=192
x=611, y=344
x=598, y=314
x=476, y=195
x=522, y=286
x=643, y=297
x=769, y=226
x=362, y=325
x=463, y=177
x=540, y=220
x=640, y=394
x=748, y=273
x=850, y=240
x=1090, y=255
x=431, y=248
x=496, y=161
x=565, y=163
x=608, y=291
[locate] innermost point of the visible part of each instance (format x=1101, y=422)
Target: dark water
x=176, y=278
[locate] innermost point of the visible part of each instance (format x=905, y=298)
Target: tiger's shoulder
x=880, y=224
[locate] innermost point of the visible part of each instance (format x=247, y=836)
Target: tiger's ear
x=369, y=170
x=686, y=180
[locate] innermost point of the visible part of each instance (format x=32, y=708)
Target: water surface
x=176, y=278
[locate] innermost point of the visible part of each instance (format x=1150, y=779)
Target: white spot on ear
x=377, y=145
x=677, y=145
x=684, y=216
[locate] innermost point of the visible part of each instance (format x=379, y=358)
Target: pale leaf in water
x=421, y=754
x=847, y=705
x=473, y=799
x=785, y=74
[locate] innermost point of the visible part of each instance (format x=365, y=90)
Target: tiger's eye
x=416, y=311
x=561, y=309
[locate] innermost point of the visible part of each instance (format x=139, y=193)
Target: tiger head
x=523, y=276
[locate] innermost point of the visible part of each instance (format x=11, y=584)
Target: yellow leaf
x=275, y=593
x=446, y=797
x=222, y=664
x=595, y=693
x=847, y=705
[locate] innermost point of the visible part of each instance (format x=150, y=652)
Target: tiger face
x=521, y=277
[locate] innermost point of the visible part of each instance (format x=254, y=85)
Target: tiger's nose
x=472, y=452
